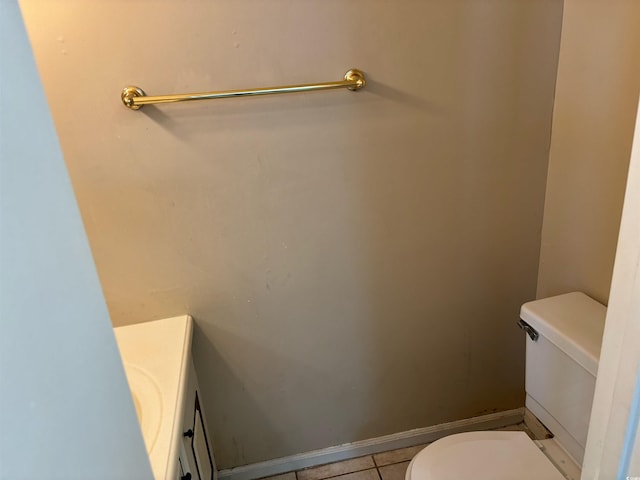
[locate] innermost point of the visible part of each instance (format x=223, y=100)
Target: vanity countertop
x=156, y=358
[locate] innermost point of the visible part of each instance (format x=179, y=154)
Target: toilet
x=564, y=334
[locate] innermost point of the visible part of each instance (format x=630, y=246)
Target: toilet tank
x=561, y=364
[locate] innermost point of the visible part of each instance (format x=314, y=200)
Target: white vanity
x=164, y=387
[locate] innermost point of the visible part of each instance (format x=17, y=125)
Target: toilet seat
x=483, y=456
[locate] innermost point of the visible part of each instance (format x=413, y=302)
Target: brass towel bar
x=134, y=97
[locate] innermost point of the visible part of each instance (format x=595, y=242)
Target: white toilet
x=564, y=335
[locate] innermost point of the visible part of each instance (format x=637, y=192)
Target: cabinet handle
x=186, y=476
x=188, y=433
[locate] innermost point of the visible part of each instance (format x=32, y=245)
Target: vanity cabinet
x=184, y=472
x=164, y=388
x=195, y=460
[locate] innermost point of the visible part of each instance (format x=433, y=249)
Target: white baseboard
x=371, y=446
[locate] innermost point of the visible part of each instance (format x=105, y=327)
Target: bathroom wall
x=593, y=119
x=355, y=262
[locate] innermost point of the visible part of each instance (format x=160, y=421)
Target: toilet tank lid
x=573, y=322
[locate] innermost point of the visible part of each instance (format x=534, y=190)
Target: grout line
x=395, y=463
x=376, y=467
x=340, y=474
x=343, y=474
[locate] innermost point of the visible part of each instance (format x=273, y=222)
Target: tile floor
x=390, y=465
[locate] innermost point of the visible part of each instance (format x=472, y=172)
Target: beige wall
x=593, y=119
x=355, y=262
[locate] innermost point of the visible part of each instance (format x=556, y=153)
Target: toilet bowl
x=564, y=334
x=484, y=456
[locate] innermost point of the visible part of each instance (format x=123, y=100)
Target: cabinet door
x=197, y=454
x=184, y=472
x=200, y=447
